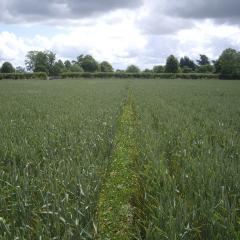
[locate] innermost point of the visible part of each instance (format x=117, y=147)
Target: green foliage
x=37, y=61
x=7, y=67
x=67, y=64
x=88, y=63
x=186, y=69
x=22, y=76
x=159, y=69
x=76, y=68
x=116, y=209
x=189, y=143
x=132, y=69
x=106, y=67
x=172, y=65
x=205, y=69
x=229, y=62
x=186, y=63
x=65, y=155
x=58, y=68
x=203, y=60
x=56, y=139
x=140, y=75
x=120, y=71
x=147, y=70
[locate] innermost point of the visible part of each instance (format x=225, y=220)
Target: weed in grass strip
x=116, y=203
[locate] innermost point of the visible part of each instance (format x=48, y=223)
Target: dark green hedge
x=21, y=76
x=43, y=76
x=230, y=76
x=141, y=75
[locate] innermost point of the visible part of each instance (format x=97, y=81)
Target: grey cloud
x=163, y=25
x=168, y=17
x=202, y=9
x=44, y=10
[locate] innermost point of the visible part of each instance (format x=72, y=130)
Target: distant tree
x=7, y=67
x=88, y=63
x=186, y=69
x=158, y=69
x=67, y=65
x=119, y=71
x=106, y=67
x=203, y=60
x=205, y=68
x=132, y=69
x=51, y=57
x=37, y=61
x=229, y=62
x=186, y=62
x=80, y=59
x=20, y=69
x=76, y=68
x=172, y=65
x=147, y=70
x=58, y=68
x=217, y=66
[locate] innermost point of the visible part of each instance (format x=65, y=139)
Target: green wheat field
x=170, y=149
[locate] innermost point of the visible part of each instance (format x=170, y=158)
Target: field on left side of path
x=55, y=142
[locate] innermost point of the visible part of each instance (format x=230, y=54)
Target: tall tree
x=38, y=61
x=58, y=68
x=7, y=67
x=172, y=65
x=67, y=64
x=229, y=62
x=106, y=67
x=203, y=60
x=76, y=68
x=88, y=63
x=158, y=69
x=132, y=69
x=186, y=62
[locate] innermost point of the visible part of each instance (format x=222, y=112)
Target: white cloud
x=208, y=38
x=120, y=43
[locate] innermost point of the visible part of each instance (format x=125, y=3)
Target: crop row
x=56, y=139
x=189, y=137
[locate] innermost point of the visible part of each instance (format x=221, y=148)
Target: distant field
x=59, y=144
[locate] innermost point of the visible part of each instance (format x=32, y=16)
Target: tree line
x=45, y=61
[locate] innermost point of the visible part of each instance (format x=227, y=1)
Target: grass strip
x=116, y=203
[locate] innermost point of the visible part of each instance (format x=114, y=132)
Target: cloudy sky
x=142, y=32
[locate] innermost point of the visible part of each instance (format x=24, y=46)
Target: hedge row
x=43, y=76
x=141, y=75
x=21, y=76
x=230, y=76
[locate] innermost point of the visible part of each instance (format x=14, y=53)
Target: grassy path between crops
x=116, y=209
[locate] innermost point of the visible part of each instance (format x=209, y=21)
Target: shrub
x=205, y=69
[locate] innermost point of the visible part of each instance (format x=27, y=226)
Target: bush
x=205, y=69
x=23, y=76
x=186, y=69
